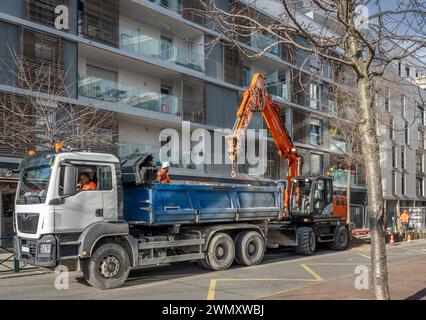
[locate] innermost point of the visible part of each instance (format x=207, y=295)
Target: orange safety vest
x=163, y=176
x=90, y=186
x=405, y=217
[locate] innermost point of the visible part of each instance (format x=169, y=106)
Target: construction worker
x=404, y=219
x=85, y=183
x=163, y=173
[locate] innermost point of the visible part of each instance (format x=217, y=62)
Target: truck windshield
x=33, y=184
x=300, y=196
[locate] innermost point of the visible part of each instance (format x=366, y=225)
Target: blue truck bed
x=169, y=204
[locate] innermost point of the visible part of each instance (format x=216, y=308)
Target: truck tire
x=307, y=241
x=202, y=264
x=342, y=239
x=249, y=248
x=108, y=267
x=220, y=252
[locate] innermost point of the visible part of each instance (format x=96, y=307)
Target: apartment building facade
x=152, y=63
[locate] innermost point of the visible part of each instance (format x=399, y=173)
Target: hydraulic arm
x=257, y=99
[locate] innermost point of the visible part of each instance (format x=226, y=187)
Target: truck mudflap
x=41, y=252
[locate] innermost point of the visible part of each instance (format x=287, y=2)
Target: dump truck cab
x=52, y=205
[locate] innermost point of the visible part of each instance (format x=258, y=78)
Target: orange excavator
x=257, y=99
x=309, y=203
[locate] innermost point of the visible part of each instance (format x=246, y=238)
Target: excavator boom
x=257, y=99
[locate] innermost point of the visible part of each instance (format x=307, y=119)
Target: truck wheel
x=108, y=267
x=202, y=263
x=220, y=252
x=307, y=241
x=249, y=248
x=342, y=239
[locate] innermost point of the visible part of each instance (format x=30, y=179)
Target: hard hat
x=165, y=165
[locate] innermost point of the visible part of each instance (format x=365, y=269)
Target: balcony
x=134, y=41
x=174, y=5
x=111, y=91
x=279, y=90
x=265, y=41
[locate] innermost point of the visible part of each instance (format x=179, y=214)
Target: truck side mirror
x=70, y=181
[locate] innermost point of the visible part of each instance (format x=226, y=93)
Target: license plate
x=25, y=249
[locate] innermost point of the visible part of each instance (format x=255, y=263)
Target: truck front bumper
x=42, y=252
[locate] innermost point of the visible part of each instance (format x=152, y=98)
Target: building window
x=387, y=103
x=315, y=136
x=314, y=96
x=393, y=183
x=394, y=157
x=403, y=157
x=165, y=48
x=403, y=106
x=399, y=68
x=407, y=71
x=44, y=52
x=403, y=179
x=420, y=114
x=406, y=133
x=316, y=163
x=420, y=138
x=391, y=135
x=246, y=76
x=419, y=162
x=419, y=187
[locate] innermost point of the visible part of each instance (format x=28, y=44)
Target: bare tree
x=39, y=114
x=336, y=31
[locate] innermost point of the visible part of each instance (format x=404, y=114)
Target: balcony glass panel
x=136, y=42
x=111, y=91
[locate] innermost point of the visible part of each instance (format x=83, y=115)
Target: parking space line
x=213, y=283
x=364, y=255
x=212, y=289
x=312, y=272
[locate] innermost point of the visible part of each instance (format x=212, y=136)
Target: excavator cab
x=311, y=195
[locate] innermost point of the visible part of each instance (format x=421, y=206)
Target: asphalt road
x=282, y=271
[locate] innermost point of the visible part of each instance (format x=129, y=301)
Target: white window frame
x=403, y=106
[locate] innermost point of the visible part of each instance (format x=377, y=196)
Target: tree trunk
x=348, y=198
x=370, y=150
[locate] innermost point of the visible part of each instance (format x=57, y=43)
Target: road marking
x=413, y=250
x=312, y=272
x=212, y=289
x=213, y=283
x=333, y=264
x=364, y=255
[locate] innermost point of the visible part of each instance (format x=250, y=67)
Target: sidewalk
x=407, y=281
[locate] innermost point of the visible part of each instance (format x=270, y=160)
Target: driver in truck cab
x=85, y=183
x=163, y=175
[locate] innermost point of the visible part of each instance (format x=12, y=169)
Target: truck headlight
x=45, y=248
